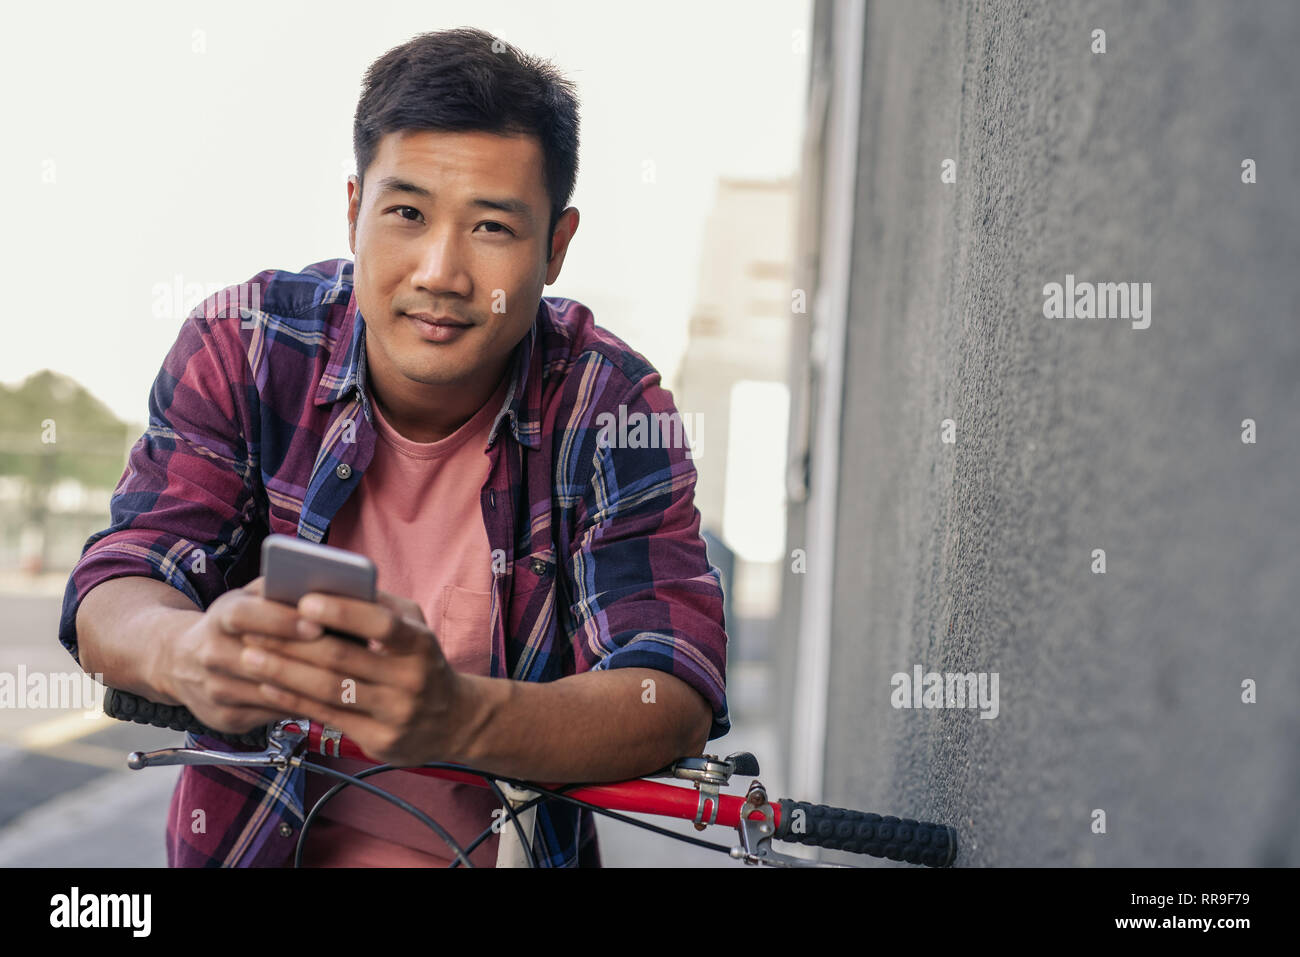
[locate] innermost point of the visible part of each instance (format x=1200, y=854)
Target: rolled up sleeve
x=180, y=512
x=644, y=592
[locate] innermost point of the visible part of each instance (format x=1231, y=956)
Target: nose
x=441, y=266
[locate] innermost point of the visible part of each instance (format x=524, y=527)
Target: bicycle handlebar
x=126, y=706
x=839, y=829
x=798, y=822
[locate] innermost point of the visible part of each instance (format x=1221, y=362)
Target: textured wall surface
x=1119, y=691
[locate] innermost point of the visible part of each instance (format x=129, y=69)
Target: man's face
x=430, y=236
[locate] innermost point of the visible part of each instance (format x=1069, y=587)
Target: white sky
x=214, y=166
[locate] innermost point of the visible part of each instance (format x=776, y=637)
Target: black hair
x=466, y=79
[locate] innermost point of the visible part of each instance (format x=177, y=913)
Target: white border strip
x=831, y=305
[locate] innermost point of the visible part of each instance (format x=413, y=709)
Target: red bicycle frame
x=636, y=796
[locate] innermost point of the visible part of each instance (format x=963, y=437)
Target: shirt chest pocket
x=282, y=519
x=539, y=619
x=535, y=571
x=282, y=510
x=464, y=629
x=535, y=590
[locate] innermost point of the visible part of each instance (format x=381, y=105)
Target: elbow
x=696, y=737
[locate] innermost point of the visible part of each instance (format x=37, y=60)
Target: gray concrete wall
x=1119, y=691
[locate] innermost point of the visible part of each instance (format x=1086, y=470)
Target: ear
x=565, y=227
x=354, y=210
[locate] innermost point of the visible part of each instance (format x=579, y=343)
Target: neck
x=424, y=413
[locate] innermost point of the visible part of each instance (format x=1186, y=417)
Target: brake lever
x=281, y=744
x=756, y=836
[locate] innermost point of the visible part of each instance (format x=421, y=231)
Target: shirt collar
x=345, y=373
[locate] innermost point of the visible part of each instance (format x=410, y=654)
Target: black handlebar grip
x=126, y=706
x=899, y=839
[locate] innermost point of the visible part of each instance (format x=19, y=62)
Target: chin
x=426, y=376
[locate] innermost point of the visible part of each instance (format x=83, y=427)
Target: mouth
x=430, y=319
x=437, y=328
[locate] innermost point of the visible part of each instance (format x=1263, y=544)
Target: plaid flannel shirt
x=260, y=421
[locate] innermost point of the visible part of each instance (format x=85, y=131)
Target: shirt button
x=285, y=830
x=344, y=471
x=538, y=566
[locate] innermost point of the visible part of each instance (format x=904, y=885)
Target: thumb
x=403, y=607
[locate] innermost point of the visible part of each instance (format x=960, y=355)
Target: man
x=546, y=609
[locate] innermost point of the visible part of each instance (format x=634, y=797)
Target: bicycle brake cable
x=349, y=780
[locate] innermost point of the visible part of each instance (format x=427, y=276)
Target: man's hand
x=201, y=668
x=397, y=698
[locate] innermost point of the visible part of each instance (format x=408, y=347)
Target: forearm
x=122, y=626
x=596, y=726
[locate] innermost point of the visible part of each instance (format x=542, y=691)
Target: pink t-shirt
x=417, y=515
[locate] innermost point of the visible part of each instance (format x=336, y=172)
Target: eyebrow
x=508, y=204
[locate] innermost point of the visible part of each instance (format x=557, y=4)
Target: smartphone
x=293, y=567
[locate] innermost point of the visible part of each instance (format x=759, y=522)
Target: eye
x=398, y=209
x=498, y=232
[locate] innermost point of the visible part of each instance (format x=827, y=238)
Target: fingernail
x=311, y=606
x=310, y=629
x=253, y=658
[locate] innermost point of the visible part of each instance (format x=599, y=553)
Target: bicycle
x=756, y=820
